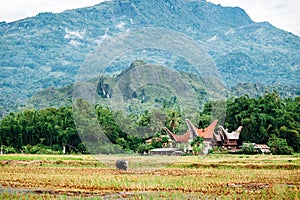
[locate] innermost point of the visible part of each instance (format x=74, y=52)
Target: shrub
x=279, y=146
x=38, y=149
x=248, y=148
x=210, y=151
x=9, y=149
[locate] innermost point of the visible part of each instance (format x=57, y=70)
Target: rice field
x=216, y=176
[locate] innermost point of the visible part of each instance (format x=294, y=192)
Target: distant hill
x=47, y=50
x=127, y=93
x=123, y=92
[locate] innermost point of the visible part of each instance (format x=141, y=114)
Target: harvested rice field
x=215, y=176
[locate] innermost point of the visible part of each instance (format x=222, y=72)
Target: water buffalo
x=121, y=165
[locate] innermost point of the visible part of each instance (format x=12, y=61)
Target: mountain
x=125, y=93
x=48, y=50
x=163, y=87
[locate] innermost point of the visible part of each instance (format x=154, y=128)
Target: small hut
x=166, y=151
x=262, y=148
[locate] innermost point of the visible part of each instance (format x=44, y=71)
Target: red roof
x=179, y=138
x=208, y=132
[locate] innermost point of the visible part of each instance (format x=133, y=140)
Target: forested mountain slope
x=48, y=49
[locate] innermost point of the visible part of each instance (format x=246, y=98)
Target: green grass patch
x=31, y=157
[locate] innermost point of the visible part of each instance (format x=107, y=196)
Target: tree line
x=266, y=120
x=53, y=130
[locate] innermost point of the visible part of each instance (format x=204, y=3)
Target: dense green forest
x=266, y=120
x=50, y=130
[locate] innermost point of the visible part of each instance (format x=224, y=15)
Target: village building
x=222, y=137
x=258, y=148
x=185, y=140
x=262, y=148
x=228, y=140
x=166, y=151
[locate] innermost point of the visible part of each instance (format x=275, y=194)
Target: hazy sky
x=284, y=14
